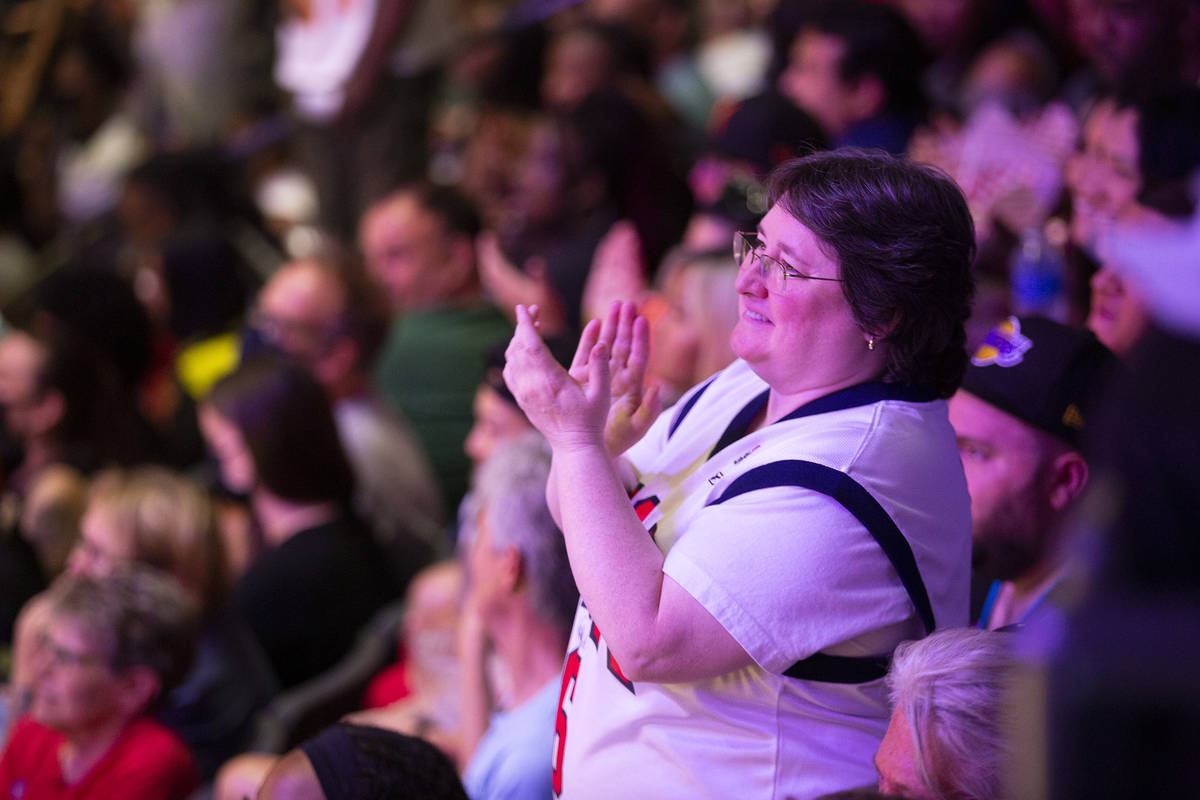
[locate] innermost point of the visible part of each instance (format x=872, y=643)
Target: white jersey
x=790, y=573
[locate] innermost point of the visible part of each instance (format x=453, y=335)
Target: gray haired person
x=109, y=649
x=947, y=738
x=519, y=607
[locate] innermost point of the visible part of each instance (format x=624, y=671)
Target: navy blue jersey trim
x=691, y=401
x=866, y=509
x=741, y=423
x=839, y=669
x=861, y=394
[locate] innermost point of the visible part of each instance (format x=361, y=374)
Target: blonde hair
x=169, y=523
x=707, y=292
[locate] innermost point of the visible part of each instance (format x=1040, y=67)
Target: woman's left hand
x=632, y=406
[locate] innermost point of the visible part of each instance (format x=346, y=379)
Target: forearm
x=622, y=468
x=616, y=564
x=474, y=698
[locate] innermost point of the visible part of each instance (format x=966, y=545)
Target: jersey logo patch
x=643, y=508
x=1005, y=345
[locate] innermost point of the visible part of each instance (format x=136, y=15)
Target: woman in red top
x=112, y=647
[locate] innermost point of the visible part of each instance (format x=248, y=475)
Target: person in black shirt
x=322, y=576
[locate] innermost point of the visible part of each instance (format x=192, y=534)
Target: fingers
x=597, y=385
x=650, y=408
x=608, y=328
x=639, y=353
x=623, y=338
x=587, y=340
x=528, y=361
x=526, y=338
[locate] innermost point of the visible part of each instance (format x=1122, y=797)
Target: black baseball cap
x=1044, y=373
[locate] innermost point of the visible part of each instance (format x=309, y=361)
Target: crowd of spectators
x=259, y=264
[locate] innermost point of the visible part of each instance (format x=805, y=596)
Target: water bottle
x=1037, y=273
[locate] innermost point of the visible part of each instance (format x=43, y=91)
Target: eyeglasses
x=65, y=656
x=747, y=244
x=292, y=334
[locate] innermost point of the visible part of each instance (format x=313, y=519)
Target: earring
x=871, y=343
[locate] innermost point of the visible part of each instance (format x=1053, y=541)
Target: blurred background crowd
x=259, y=260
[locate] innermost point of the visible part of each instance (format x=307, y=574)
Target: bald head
x=318, y=314
x=299, y=307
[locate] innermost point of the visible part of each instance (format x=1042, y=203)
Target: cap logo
x=1072, y=417
x=1004, y=345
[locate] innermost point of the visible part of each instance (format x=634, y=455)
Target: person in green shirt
x=419, y=244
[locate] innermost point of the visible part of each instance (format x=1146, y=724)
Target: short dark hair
x=452, y=207
x=100, y=425
x=904, y=240
x=287, y=424
x=88, y=298
x=878, y=41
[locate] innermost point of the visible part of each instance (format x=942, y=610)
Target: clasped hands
x=602, y=400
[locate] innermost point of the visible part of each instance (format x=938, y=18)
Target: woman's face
x=496, y=421
x=226, y=444
x=1118, y=316
x=802, y=335
x=76, y=691
x=1104, y=177
x=101, y=547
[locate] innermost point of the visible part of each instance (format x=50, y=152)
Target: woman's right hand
x=569, y=412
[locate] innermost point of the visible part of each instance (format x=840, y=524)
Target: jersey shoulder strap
x=688, y=405
x=852, y=496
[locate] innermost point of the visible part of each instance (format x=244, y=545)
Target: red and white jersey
x=789, y=572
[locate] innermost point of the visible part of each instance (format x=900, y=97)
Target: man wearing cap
x=1019, y=418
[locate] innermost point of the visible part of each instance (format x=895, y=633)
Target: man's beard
x=1012, y=540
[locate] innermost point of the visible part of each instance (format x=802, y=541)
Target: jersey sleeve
x=789, y=572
